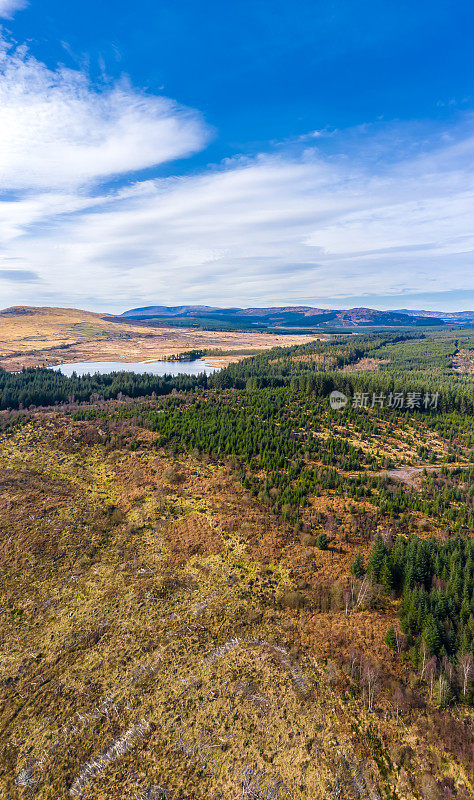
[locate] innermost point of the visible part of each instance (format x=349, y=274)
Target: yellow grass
x=32, y=336
x=144, y=645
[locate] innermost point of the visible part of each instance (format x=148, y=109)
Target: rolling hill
x=285, y=317
x=33, y=336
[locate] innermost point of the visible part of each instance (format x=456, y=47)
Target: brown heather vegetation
x=31, y=337
x=165, y=635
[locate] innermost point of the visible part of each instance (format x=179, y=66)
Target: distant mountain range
x=461, y=317
x=298, y=317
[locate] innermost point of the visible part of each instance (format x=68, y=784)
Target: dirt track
x=409, y=475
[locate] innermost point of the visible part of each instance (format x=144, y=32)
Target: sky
x=257, y=153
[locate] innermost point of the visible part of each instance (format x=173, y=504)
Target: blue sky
x=257, y=153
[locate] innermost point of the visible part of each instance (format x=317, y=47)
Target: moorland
x=222, y=587
x=39, y=336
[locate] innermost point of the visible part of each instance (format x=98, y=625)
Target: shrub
x=322, y=541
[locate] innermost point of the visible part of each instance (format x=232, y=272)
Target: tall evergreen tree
x=376, y=558
x=357, y=566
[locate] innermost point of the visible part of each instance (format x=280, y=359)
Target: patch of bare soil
x=463, y=361
x=411, y=475
x=365, y=364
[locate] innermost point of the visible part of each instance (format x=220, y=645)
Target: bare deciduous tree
x=449, y=671
x=387, y=539
x=370, y=678
x=466, y=672
x=363, y=590
x=431, y=670
x=424, y=654
x=443, y=688
x=400, y=638
x=347, y=597
x=354, y=656
x=398, y=700
x=331, y=526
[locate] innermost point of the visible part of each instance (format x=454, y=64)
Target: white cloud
x=286, y=228
x=9, y=7
x=271, y=229
x=56, y=130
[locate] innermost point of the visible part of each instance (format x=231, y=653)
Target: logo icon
x=337, y=401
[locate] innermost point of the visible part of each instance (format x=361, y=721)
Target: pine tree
x=431, y=634
x=465, y=610
x=357, y=566
x=391, y=639
x=386, y=574
x=376, y=558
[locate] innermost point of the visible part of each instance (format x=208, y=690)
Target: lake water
x=153, y=367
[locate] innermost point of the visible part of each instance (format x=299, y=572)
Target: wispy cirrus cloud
x=263, y=230
x=57, y=130
x=294, y=226
x=9, y=7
